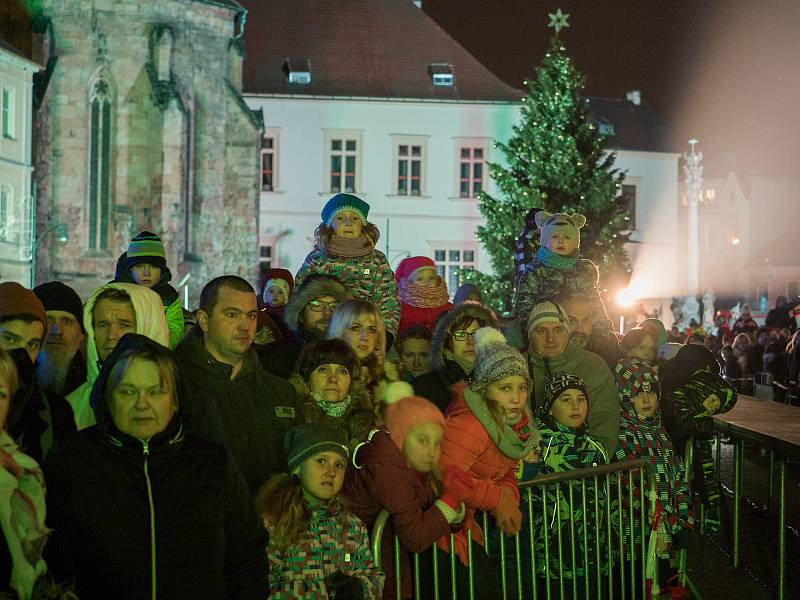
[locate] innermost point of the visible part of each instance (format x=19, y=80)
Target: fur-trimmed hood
x=444, y=327
x=314, y=286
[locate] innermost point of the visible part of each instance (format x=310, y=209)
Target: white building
x=16, y=201
x=380, y=101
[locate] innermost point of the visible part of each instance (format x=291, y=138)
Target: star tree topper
x=558, y=20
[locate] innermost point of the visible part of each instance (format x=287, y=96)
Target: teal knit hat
x=146, y=247
x=342, y=202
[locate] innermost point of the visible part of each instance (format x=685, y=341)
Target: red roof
x=359, y=48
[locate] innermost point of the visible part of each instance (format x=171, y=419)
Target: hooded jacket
x=168, y=294
x=445, y=372
x=251, y=412
x=380, y=478
x=603, y=419
x=170, y=517
x=279, y=358
x=150, y=322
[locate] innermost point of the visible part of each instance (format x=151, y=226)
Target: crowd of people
x=244, y=450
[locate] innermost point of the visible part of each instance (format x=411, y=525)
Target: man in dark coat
x=247, y=407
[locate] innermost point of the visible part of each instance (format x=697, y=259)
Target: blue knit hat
x=342, y=202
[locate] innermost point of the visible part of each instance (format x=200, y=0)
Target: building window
x=269, y=161
x=6, y=213
x=628, y=194
x=343, y=162
x=100, y=165
x=409, y=165
x=264, y=260
x=451, y=262
x=9, y=102
x=471, y=169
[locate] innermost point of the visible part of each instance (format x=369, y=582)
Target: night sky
x=724, y=71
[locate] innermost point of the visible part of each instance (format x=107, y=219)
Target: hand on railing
x=506, y=514
x=457, y=487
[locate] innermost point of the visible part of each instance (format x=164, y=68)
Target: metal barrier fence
x=585, y=535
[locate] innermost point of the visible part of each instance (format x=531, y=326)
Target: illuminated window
x=409, y=165
x=471, y=168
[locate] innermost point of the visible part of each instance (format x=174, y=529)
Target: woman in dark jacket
x=141, y=510
x=453, y=351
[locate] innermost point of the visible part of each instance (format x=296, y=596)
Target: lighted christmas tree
x=558, y=161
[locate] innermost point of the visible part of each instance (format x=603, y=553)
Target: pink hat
x=404, y=412
x=409, y=266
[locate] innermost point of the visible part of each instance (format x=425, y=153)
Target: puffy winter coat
x=418, y=315
x=380, y=480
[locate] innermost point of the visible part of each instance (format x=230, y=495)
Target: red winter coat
x=467, y=444
x=416, y=315
x=382, y=479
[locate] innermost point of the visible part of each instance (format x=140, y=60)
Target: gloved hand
x=506, y=514
x=457, y=487
x=344, y=587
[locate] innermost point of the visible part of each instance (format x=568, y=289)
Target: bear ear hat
x=541, y=217
x=578, y=219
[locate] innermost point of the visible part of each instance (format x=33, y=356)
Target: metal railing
x=585, y=535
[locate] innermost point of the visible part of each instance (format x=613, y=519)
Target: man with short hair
x=413, y=348
x=22, y=319
x=581, y=317
x=252, y=409
x=61, y=366
x=113, y=310
x=307, y=316
x=550, y=351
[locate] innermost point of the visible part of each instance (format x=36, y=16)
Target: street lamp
x=62, y=235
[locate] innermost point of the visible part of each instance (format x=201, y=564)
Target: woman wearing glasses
x=453, y=351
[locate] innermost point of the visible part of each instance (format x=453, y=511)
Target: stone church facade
x=141, y=125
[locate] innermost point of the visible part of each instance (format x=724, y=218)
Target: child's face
x=331, y=382
x=570, y=408
x=561, y=243
x=645, y=404
x=425, y=277
x=347, y=224
x=712, y=404
x=645, y=351
x=511, y=393
x=322, y=475
x=5, y=401
x=362, y=335
x=275, y=296
x=146, y=274
x=423, y=446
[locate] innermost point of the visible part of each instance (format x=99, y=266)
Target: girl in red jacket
x=397, y=469
x=422, y=292
x=488, y=432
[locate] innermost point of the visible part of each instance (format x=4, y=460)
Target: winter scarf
x=423, y=296
x=349, y=247
x=507, y=440
x=548, y=258
x=22, y=514
x=333, y=409
x=566, y=449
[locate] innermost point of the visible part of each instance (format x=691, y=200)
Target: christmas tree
x=555, y=160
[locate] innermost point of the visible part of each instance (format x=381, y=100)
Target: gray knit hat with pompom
x=495, y=359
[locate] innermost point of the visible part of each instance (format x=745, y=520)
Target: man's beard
x=579, y=339
x=52, y=368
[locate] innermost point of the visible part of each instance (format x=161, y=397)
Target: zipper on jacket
x=146, y=452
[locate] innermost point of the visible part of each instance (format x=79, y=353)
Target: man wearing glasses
x=307, y=315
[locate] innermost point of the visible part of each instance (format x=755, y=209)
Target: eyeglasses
x=320, y=305
x=462, y=335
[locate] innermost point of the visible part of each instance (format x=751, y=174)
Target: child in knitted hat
x=558, y=269
x=276, y=287
x=317, y=546
x=488, y=432
x=345, y=248
x=643, y=436
x=145, y=263
x=397, y=470
x=423, y=294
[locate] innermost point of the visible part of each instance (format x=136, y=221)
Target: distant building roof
x=635, y=127
x=360, y=48
x=9, y=47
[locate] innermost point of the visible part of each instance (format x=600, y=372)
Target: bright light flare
x=626, y=298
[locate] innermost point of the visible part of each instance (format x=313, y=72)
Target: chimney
x=635, y=97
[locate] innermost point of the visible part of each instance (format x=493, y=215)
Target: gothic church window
x=102, y=106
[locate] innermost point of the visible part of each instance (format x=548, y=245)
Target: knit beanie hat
x=659, y=328
x=326, y=352
x=495, y=359
x=634, y=377
x=280, y=277
x=547, y=312
x=559, y=383
x=408, y=267
x=146, y=247
x=464, y=292
x=551, y=224
x=58, y=296
x=16, y=301
x=342, y=202
x=703, y=384
x=308, y=439
x=404, y=411
x=694, y=357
